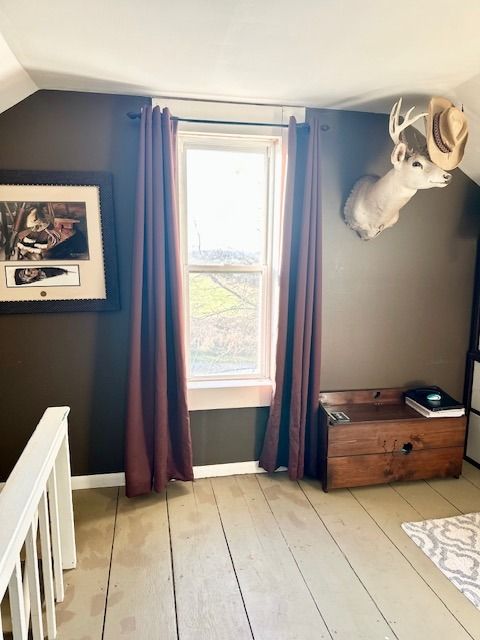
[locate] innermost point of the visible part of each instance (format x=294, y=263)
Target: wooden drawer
x=385, y=438
x=361, y=470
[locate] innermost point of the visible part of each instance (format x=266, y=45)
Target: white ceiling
x=15, y=82
x=324, y=53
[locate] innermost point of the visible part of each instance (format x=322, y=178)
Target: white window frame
x=269, y=146
x=239, y=392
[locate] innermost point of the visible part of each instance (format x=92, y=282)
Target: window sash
x=263, y=344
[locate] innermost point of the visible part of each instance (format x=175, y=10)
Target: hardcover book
x=434, y=402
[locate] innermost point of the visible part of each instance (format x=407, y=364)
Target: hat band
x=437, y=136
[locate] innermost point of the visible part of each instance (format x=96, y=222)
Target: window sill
x=229, y=394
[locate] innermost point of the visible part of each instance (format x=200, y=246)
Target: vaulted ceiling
x=323, y=53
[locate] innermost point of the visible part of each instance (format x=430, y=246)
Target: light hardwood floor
x=261, y=557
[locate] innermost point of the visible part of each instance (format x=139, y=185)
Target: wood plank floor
x=264, y=558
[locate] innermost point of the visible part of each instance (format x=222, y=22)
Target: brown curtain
x=291, y=437
x=158, y=444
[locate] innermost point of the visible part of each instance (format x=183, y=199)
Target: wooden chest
x=385, y=440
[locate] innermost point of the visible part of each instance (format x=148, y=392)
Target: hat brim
x=447, y=161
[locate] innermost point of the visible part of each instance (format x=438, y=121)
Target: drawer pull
x=407, y=448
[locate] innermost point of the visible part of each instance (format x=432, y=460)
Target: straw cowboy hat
x=447, y=133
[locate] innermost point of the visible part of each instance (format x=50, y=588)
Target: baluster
x=26, y=593
x=31, y=568
x=56, y=544
x=47, y=570
x=17, y=605
x=65, y=506
x=26, y=584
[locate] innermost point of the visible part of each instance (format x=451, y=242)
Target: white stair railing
x=37, y=498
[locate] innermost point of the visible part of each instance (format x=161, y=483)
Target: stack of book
x=433, y=402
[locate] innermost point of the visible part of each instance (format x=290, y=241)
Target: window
x=228, y=232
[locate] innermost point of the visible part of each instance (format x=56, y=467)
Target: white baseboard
x=204, y=471
x=229, y=469
x=96, y=481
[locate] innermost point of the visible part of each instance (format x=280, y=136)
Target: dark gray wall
x=80, y=359
x=76, y=359
x=228, y=435
x=395, y=309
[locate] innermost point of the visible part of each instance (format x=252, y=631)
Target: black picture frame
x=33, y=278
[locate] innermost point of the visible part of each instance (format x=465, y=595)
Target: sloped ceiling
x=322, y=53
x=15, y=82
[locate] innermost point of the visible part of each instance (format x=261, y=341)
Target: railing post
x=23, y=507
x=65, y=506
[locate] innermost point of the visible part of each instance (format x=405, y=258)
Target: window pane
x=224, y=323
x=226, y=200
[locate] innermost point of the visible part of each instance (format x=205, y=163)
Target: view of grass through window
x=226, y=208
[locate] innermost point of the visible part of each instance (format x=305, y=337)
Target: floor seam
x=110, y=564
x=410, y=563
x=295, y=560
x=172, y=567
x=349, y=563
x=231, y=560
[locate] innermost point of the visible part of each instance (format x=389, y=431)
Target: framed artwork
x=57, y=242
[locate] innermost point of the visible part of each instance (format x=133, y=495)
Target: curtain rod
x=133, y=116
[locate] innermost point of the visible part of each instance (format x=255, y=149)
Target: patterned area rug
x=454, y=546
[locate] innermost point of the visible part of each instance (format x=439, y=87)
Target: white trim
x=96, y=481
x=102, y=480
x=229, y=111
x=235, y=394
x=229, y=394
x=229, y=469
x=268, y=146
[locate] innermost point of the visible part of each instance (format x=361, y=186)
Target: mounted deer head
x=374, y=203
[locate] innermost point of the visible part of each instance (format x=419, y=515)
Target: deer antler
x=395, y=128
